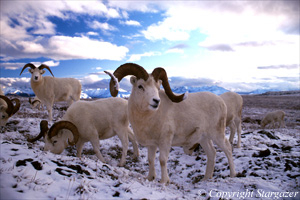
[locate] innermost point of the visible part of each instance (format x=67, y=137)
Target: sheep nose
x=36, y=77
x=156, y=101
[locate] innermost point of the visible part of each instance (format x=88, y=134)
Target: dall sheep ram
x=7, y=108
x=234, y=104
x=36, y=103
x=272, y=118
x=50, y=89
x=161, y=119
x=90, y=121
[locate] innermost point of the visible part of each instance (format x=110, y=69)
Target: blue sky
x=238, y=45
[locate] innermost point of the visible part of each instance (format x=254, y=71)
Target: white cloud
x=12, y=66
x=130, y=23
x=16, y=82
x=137, y=57
x=51, y=63
x=19, y=65
x=92, y=33
x=90, y=79
x=64, y=48
x=31, y=47
x=175, y=50
x=142, y=6
x=21, y=22
x=102, y=26
x=226, y=21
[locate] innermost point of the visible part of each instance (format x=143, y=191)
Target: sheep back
x=234, y=103
x=58, y=89
x=102, y=115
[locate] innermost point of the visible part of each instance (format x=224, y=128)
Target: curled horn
x=43, y=132
x=64, y=125
x=30, y=101
x=160, y=74
x=42, y=66
x=125, y=70
x=10, y=106
x=17, y=106
x=28, y=65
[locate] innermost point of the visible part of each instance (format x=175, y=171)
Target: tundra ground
x=267, y=163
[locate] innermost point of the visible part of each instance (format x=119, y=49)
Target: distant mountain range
x=105, y=93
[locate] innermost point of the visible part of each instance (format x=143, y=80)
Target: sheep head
x=8, y=110
x=36, y=72
x=34, y=103
x=144, y=85
x=56, y=139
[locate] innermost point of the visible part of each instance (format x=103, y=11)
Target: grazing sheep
x=272, y=118
x=7, y=108
x=161, y=119
x=50, y=89
x=234, y=104
x=90, y=121
x=36, y=103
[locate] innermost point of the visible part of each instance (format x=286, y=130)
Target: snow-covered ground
x=267, y=164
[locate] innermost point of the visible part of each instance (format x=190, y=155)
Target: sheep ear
x=2, y=107
x=133, y=80
x=43, y=71
x=30, y=70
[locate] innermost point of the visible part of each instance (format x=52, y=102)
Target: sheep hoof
x=205, y=178
x=233, y=175
x=167, y=182
x=121, y=164
x=150, y=178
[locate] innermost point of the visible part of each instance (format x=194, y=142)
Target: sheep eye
x=54, y=142
x=3, y=116
x=141, y=87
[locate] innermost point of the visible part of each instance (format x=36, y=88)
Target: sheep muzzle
x=55, y=128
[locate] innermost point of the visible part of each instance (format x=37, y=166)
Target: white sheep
x=7, y=108
x=50, y=89
x=161, y=119
x=36, y=103
x=234, y=104
x=272, y=118
x=90, y=121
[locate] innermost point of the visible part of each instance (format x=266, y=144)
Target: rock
x=270, y=135
x=263, y=153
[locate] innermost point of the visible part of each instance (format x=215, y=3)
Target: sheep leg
x=70, y=101
x=151, y=159
x=210, y=152
x=282, y=124
x=232, y=127
x=163, y=158
x=79, y=147
x=134, y=144
x=49, y=109
x=273, y=124
x=239, y=132
x=124, y=140
x=96, y=147
x=226, y=147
